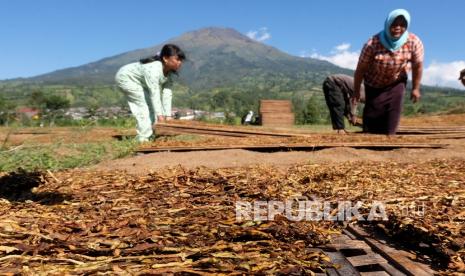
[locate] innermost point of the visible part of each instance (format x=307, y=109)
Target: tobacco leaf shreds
x=179, y=221
x=311, y=140
x=174, y=221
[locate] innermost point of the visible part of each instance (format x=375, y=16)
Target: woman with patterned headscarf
x=383, y=66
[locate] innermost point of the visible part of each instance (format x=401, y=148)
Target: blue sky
x=40, y=36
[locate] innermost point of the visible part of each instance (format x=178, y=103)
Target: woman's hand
x=160, y=119
x=353, y=119
x=415, y=96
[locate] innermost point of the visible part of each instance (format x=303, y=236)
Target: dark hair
x=403, y=21
x=168, y=50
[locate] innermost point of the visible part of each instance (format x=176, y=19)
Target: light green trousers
x=140, y=103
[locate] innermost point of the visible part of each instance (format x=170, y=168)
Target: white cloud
x=443, y=74
x=340, y=55
x=260, y=35
x=343, y=47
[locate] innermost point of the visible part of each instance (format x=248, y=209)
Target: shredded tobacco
x=179, y=221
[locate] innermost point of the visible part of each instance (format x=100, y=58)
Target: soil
x=144, y=163
x=434, y=120
x=49, y=135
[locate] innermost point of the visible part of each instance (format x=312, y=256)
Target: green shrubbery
x=58, y=156
x=306, y=96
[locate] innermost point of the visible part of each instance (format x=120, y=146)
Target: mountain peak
x=218, y=32
x=212, y=35
x=218, y=57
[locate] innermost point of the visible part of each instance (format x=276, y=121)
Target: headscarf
x=385, y=35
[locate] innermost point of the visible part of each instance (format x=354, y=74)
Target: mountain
x=217, y=57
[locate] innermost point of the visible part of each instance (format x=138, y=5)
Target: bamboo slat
x=291, y=147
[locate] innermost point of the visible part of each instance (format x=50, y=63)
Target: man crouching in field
x=339, y=92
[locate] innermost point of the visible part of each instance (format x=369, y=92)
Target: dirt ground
x=47, y=135
x=434, y=120
x=17, y=136
x=242, y=158
x=144, y=163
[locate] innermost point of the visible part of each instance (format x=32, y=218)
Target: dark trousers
x=383, y=107
x=336, y=102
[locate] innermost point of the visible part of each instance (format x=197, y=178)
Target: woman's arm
x=152, y=74
x=358, y=79
x=417, y=72
x=417, y=67
x=166, y=101
x=364, y=61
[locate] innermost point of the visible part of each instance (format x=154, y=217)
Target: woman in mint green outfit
x=146, y=85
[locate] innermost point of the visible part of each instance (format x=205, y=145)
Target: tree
x=37, y=100
x=6, y=111
x=222, y=99
x=56, y=102
x=3, y=113
x=2, y=103
x=92, y=105
x=54, y=106
x=311, y=113
x=299, y=110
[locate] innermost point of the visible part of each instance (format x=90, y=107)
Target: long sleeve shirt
x=345, y=85
x=150, y=76
x=386, y=67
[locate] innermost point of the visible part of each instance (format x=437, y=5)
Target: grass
x=327, y=127
x=63, y=155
